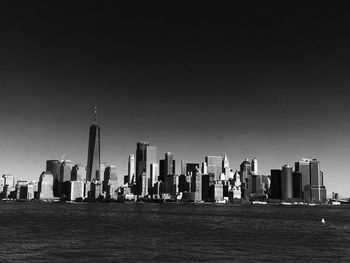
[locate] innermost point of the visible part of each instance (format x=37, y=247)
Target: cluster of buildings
x=149, y=179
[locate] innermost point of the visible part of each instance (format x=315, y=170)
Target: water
x=100, y=232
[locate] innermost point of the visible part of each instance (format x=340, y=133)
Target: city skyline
x=193, y=79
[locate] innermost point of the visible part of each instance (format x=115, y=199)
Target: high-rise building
x=183, y=167
x=214, y=165
x=254, y=166
x=54, y=167
x=22, y=190
x=78, y=173
x=287, y=182
x=46, y=186
x=111, y=178
x=226, y=167
x=154, y=173
x=131, y=169
x=94, y=150
x=318, y=190
x=169, y=163
x=275, y=189
x=297, y=185
x=9, y=180
x=76, y=190
x=303, y=167
x=204, y=168
x=191, y=168
x=66, y=171
x=198, y=187
x=151, y=158
x=140, y=164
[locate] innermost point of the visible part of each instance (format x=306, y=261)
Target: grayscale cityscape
x=150, y=180
x=174, y=131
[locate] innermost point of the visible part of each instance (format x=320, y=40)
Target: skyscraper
x=183, y=167
x=214, y=165
x=46, y=186
x=303, y=167
x=54, y=167
x=169, y=163
x=151, y=158
x=287, y=182
x=131, y=169
x=154, y=173
x=145, y=156
x=93, y=160
x=254, y=166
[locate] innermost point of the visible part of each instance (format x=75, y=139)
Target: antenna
x=95, y=115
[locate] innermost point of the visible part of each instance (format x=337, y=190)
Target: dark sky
x=259, y=78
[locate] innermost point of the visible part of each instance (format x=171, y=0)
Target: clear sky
x=265, y=80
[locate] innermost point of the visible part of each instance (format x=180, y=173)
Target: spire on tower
x=95, y=115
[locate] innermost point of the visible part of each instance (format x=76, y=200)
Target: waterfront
x=136, y=232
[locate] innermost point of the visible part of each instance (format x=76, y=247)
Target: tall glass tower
x=93, y=159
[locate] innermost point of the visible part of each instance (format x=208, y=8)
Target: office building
x=94, y=150
x=287, y=182
x=46, y=186
x=111, y=179
x=145, y=156
x=198, y=186
x=9, y=180
x=318, y=190
x=275, y=189
x=214, y=164
x=76, y=190
x=297, y=185
x=303, y=167
x=183, y=167
x=204, y=168
x=66, y=171
x=254, y=166
x=169, y=164
x=131, y=169
x=154, y=173
x=54, y=167
x=22, y=190
x=191, y=168
x=218, y=191
x=78, y=173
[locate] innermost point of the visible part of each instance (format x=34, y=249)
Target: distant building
x=22, y=190
x=54, y=167
x=111, y=178
x=275, y=189
x=287, y=182
x=66, y=171
x=154, y=173
x=191, y=168
x=226, y=167
x=9, y=180
x=214, y=165
x=183, y=167
x=145, y=156
x=93, y=159
x=218, y=191
x=78, y=173
x=131, y=169
x=254, y=166
x=198, y=180
x=46, y=186
x=76, y=190
x=169, y=163
x=204, y=168
x=303, y=167
x=297, y=185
